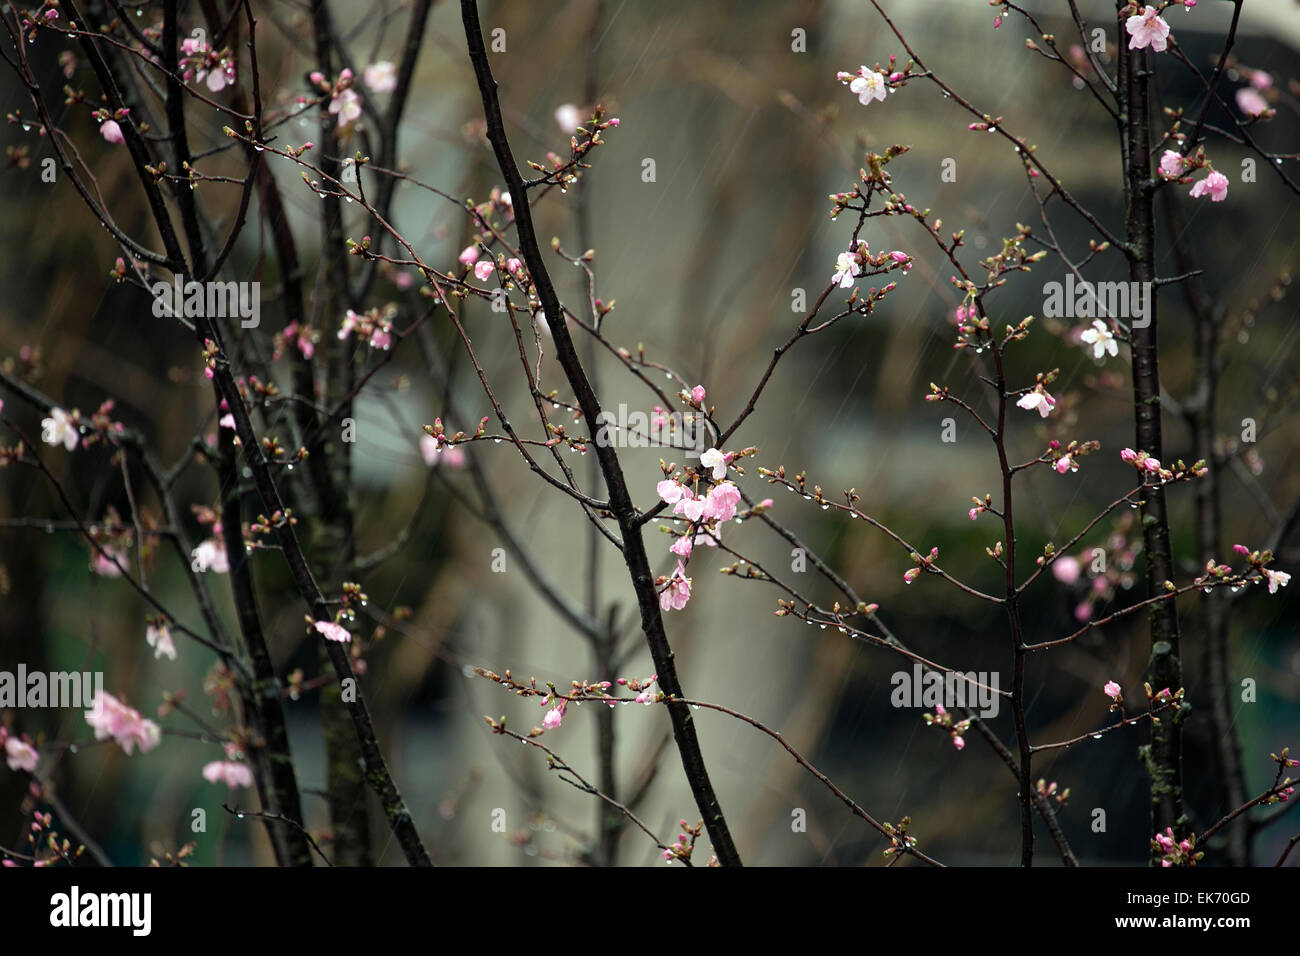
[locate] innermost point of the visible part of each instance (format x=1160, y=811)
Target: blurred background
x=748, y=137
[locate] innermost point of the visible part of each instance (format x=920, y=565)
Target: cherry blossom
x=1250, y=102
x=468, y=256
x=720, y=503
x=109, y=562
x=1171, y=164
x=1216, y=184
x=1112, y=690
x=110, y=717
x=210, y=555
x=1101, y=338
x=717, y=461
x=483, y=270
x=332, y=632
x=1066, y=463
x=670, y=492
x=1147, y=28
x=697, y=394
x=1276, y=579
x=380, y=77
x=346, y=107
x=1066, y=569
x=555, y=716
x=869, y=85
x=111, y=131
x=60, y=429
x=568, y=117
x=233, y=773
x=678, y=592
x=1038, y=400
x=159, y=638
x=433, y=452
x=19, y=754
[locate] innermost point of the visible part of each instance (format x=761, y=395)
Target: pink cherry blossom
x=333, y=632
x=1066, y=463
x=678, y=591
x=20, y=755
x=1111, y=690
x=1276, y=579
x=210, y=555
x=233, y=773
x=1250, y=102
x=109, y=562
x=111, y=131
x=958, y=741
x=698, y=393
x=555, y=716
x=226, y=421
x=1128, y=454
x=1216, y=184
x=468, y=256
x=484, y=269
x=380, y=77
x=1151, y=464
x=670, y=492
x=1261, y=80
x=1171, y=164
x=720, y=503
x=1066, y=569
x=690, y=507
x=110, y=717
x=346, y=107
x=1147, y=28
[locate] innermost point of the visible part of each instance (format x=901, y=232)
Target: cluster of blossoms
x=1179, y=472
x=1253, y=100
x=1175, y=166
x=941, y=718
x=232, y=771
x=302, y=336
x=854, y=263
x=922, y=565
x=210, y=555
x=704, y=511
x=200, y=62
x=682, y=848
x=69, y=429
x=1111, y=568
x=19, y=752
x=345, y=104
x=373, y=326
x=334, y=630
x=45, y=846
x=1175, y=852
x=110, y=717
x=436, y=446
x=1275, y=579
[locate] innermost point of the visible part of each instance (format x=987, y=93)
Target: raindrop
x=73, y=748
x=496, y=441
x=1096, y=736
